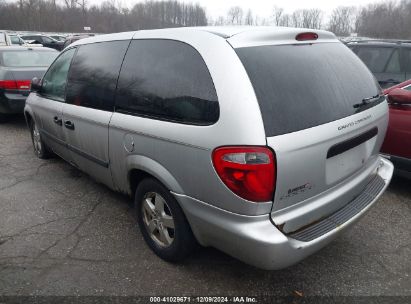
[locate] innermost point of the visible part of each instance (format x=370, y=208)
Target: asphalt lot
x=63, y=234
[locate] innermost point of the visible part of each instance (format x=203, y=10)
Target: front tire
x=40, y=149
x=162, y=222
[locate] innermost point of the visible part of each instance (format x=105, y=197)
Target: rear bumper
x=254, y=239
x=12, y=103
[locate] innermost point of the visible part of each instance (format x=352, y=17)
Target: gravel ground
x=63, y=234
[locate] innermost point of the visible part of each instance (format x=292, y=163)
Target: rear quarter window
x=167, y=80
x=303, y=86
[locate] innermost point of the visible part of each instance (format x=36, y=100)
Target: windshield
x=28, y=58
x=302, y=86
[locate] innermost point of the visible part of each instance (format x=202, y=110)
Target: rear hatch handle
x=349, y=144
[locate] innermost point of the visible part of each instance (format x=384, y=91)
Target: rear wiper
x=367, y=101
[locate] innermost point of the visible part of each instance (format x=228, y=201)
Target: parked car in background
x=389, y=61
x=73, y=38
x=45, y=41
x=58, y=37
x=18, y=65
x=4, y=39
x=17, y=40
x=221, y=135
x=397, y=144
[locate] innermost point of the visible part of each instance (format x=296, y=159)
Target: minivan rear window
x=302, y=86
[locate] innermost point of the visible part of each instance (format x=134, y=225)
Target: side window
x=375, y=58
x=54, y=82
x=167, y=80
x=34, y=38
x=94, y=73
x=15, y=40
x=45, y=39
x=393, y=65
x=407, y=57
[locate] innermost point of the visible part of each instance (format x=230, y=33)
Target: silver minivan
x=262, y=142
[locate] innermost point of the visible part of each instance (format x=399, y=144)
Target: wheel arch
x=141, y=167
x=28, y=117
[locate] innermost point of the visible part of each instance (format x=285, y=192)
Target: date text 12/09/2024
x=240, y=299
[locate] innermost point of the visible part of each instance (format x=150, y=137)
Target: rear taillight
x=247, y=171
x=15, y=84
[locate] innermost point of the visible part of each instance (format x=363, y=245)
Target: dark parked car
x=397, y=145
x=58, y=37
x=45, y=41
x=389, y=61
x=74, y=38
x=18, y=65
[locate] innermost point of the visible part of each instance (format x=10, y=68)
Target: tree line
x=110, y=16
x=388, y=19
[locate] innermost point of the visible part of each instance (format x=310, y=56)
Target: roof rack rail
x=399, y=41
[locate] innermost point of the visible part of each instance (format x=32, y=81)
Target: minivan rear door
x=325, y=118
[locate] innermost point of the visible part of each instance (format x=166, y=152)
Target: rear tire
x=162, y=222
x=40, y=148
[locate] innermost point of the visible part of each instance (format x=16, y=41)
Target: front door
x=49, y=101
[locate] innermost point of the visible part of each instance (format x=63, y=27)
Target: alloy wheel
x=158, y=219
x=38, y=148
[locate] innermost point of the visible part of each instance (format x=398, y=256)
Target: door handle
x=58, y=121
x=69, y=125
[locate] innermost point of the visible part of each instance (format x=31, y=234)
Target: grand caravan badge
x=354, y=123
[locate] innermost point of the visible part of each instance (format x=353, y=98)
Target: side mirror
x=35, y=85
x=399, y=96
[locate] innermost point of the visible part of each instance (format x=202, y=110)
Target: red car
x=397, y=145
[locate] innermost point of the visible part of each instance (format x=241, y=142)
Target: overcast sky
x=263, y=8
